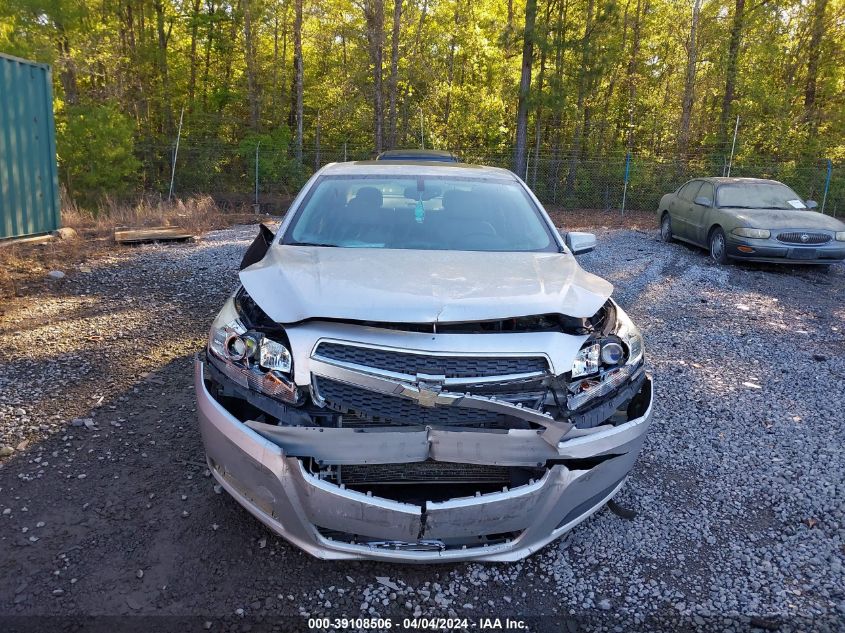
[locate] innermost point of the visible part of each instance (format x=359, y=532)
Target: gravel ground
x=107, y=507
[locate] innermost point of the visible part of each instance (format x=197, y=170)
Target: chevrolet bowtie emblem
x=429, y=387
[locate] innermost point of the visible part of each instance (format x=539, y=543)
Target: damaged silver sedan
x=416, y=369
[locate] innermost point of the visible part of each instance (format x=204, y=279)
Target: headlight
x=840, y=236
x=274, y=356
x=631, y=337
x=625, y=346
x=606, y=364
x=757, y=234
x=586, y=361
x=251, y=358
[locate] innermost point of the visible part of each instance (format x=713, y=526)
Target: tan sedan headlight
x=250, y=358
x=840, y=236
x=757, y=234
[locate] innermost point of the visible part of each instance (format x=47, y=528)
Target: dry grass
x=23, y=266
x=196, y=214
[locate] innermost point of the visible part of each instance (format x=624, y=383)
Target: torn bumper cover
x=263, y=467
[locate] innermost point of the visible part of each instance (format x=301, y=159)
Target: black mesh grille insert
x=450, y=366
x=799, y=237
x=344, y=397
x=416, y=472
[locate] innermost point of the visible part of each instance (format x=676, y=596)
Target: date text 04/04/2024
x=417, y=623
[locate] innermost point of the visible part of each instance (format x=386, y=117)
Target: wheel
x=666, y=228
x=718, y=246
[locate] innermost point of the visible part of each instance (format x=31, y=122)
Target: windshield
x=758, y=195
x=420, y=213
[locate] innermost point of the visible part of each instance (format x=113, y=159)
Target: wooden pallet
x=151, y=234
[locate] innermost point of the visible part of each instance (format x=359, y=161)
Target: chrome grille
x=449, y=366
x=803, y=237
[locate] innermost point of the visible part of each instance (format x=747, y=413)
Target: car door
x=699, y=217
x=681, y=210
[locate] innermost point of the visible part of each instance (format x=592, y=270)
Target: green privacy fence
x=29, y=185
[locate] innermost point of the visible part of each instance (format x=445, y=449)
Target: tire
x=666, y=228
x=718, y=246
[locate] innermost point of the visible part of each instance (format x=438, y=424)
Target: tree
x=374, y=15
x=813, y=56
x=298, y=74
x=253, y=87
x=730, y=72
x=689, y=83
x=519, y=155
x=394, y=71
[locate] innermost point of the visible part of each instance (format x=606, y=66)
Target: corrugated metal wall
x=29, y=183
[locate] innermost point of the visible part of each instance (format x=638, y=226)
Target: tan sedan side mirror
x=579, y=242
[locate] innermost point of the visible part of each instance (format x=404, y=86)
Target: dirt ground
x=108, y=508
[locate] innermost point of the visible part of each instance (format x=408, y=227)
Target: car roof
x=727, y=180
x=416, y=168
x=420, y=154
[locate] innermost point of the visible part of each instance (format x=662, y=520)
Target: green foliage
x=613, y=78
x=275, y=165
x=95, y=150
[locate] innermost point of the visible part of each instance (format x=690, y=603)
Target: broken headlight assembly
x=605, y=363
x=251, y=358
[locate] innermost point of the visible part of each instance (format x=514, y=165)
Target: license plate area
x=802, y=253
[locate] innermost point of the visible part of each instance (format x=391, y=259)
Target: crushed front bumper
x=269, y=480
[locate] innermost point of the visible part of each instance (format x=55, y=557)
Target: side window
x=690, y=190
x=707, y=191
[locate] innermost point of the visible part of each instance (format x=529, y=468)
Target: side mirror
x=812, y=204
x=579, y=242
x=704, y=201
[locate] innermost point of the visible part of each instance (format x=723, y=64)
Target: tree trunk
x=538, y=113
x=374, y=15
x=298, y=78
x=813, y=54
x=192, y=81
x=67, y=74
x=394, y=71
x=163, y=38
x=557, y=96
x=209, y=42
x=633, y=68
x=250, y=62
x=251, y=70
x=581, y=126
x=689, y=84
x=450, y=75
x=730, y=73
x=519, y=154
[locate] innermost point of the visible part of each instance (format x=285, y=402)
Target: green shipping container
x=29, y=181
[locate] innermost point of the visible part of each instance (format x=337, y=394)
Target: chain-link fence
x=238, y=175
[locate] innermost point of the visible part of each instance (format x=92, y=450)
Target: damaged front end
x=409, y=442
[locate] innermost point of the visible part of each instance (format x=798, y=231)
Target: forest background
x=560, y=91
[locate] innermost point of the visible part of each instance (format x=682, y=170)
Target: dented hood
x=293, y=283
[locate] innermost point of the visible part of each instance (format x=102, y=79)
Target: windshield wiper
x=313, y=244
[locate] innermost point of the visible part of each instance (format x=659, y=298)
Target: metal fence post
x=827, y=183
x=175, y=154
x=256, y=207
x=625, y=186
